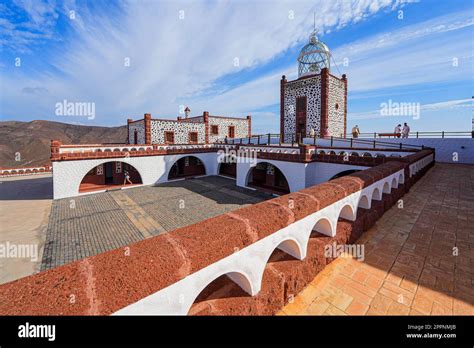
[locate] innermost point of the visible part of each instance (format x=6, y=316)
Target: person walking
x=126, y=178
x=355, y=131
x=398, y=130
x=405, y=130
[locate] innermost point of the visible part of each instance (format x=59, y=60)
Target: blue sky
x=185, y=53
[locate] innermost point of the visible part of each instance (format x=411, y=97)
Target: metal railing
x=440, y=134
x=275, y=139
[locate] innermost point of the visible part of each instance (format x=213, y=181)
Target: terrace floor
x=87, y=225
x=419, y=258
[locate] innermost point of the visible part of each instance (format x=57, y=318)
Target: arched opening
x=394, y=183
x=347, y=213
x=401, y=179
x=186, y=167
x=344, y=173
x=322, y=226
x=354, y=154
x=269, y=178
x=367, y=154
x=376, y=195
x=386, y=188
x=228, y=166
x=364, y=202
x=110, y=175
x=222, y=295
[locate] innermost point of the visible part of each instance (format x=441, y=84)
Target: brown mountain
x=32, y=139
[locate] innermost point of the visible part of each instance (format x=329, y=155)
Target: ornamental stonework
x=138, y=126
x=311, y=88
x=181, y=131
x=241, y=128
x=336, y=106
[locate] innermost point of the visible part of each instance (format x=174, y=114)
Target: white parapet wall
x=295, y=173
x=67, y=175
x=246, y=267
x=448, y=150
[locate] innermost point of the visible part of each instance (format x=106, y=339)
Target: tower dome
x=313, y=57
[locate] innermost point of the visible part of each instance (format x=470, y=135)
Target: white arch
x=401, y=178
x=247, y=176
x=376, y=194
x=221, y=159
x=291, y=247
x=186, y=155
x=364, y=202
x=394, y=183
x=386, y=187
x=348, y=212
x=325, y=226
x=107, y=160
x=238, y=277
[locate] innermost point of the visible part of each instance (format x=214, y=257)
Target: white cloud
x=415, y=55
x=170, y=58
x=439, y=106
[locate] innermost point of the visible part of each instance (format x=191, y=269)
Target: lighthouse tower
x=317, y=99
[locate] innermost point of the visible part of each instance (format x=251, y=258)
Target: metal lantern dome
x=313, y=57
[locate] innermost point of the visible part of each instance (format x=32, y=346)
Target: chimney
x=186, y=112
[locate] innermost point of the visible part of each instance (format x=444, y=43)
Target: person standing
x=126, y=178
x=311, y=132
x=398, y=130
x=355, y=131
x=405, y=130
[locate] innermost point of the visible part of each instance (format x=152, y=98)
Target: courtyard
x=87, y=225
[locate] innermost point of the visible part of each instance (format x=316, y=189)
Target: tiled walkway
x=87, y=225
x=419, y=258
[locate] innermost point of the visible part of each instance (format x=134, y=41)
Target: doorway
x=109, y=173
x=231, y=132
x=300, y=118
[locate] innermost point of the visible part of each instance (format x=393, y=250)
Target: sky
x=127, y=58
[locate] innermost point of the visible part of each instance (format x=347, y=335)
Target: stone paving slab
x=419, y=260
x=25, y=203
x=87, y=225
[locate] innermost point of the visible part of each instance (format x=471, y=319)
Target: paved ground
x=25, y=203
x=419, y=259
x=91, y=224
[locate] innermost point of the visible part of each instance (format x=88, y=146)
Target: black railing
x=275, y=139
x=440, y=134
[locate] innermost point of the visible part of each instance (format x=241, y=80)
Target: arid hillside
x=31, y=140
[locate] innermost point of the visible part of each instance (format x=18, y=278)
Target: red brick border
x=282, y=108
x=147, y=119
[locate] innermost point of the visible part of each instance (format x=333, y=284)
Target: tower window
x=169, y=137
x=337, y=106
x=193, y=137
x=214, y=130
